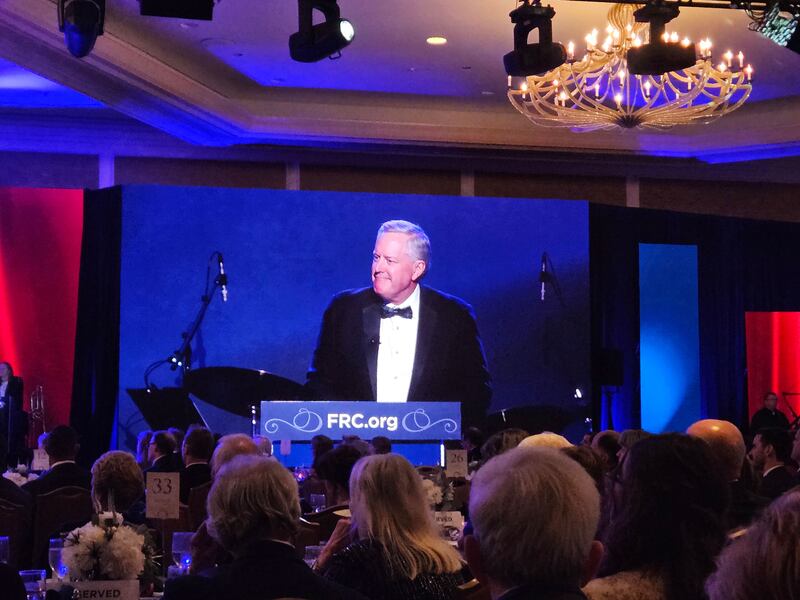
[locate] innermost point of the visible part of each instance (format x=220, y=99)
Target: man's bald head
x=726, y=442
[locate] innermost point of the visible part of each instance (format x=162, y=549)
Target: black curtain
x=743, y=265
x=96, y=376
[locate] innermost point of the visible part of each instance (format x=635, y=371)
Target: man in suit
x=61, y=445
x=13, y=420
x=400, y=341
x=544, y=548
x=769, y=415
x=162, y=454
x=772, y=448
x=197, y=448
x=729, y=450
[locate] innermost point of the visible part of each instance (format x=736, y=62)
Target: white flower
x=81, y=549
x=122, y=556
x=111, y=552
x=432, y=491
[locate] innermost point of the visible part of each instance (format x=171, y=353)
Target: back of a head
x=630, y=436
x=607, y=443
x=230, y=446
x=670, y=520
x=388, y=504
x=502, y=441
x=320, y=445
x=534, y=512
x=164, y=442
x=546, y=439
x=117, y=474
x=177, y=435
x=253, y=498
x=335, y=466
x=264, y=444
x=726, y=443
x=61, y=443
x=381, y=445
x=591, y=462
x=764, y=563
x=199, y=443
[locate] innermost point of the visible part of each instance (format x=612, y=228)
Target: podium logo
x=358, y=421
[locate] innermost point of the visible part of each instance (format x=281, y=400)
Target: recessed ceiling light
x=188, y=25
x=487, y=93
x=437, y=40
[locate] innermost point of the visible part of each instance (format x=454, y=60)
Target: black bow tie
x=387, y=312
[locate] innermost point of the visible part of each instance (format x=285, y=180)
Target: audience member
x=142, y=449
x=229, y=447
x=320, y=445
x=117, y=482
x=591, y=463
x=197, y=448
x=334, y=470
x=769, y=415
x=772, y=448
x=764, y=563
x=380, y=444
x=398, y=552
x=662, y=542
x=264, y=444
x=356, y=442
x=546, y=439
x=253, y=513
x=10, y=491
x=502, y=441
x=177, y=435
x=627, y=439
x=161, y=454
x=542, y=548
x=606, y=444
x=61, y=445
x=472, y=441
x=728, y=449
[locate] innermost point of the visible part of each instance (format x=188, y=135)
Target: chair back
x=472, y=590
x=15, y=522
x=326, y=519
x=54, y=511
x=197, y=505
x=307, y=535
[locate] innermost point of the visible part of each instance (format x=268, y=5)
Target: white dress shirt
x=3, y=388
x=398, y=344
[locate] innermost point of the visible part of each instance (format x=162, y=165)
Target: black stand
x=795, y=417
x=182, y=357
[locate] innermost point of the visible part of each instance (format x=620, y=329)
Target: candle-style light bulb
x=570, y=51
x=722, y=67
x=728, y=56
x=674, y=37
x=597, y=89
x=686, y=42
x=618, y=99
x=749, y=72
x=740, y=56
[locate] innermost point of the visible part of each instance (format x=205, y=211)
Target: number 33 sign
x=162, y=495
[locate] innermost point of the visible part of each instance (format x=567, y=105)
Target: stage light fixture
x=315, y=42
x=532, y=59
x=196, y=10
x=81, y=21
x=661, y=54
x=779, y=24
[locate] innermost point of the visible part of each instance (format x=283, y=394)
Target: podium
x=416, y=429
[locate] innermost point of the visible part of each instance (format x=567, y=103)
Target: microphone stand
x=796, y=418
x=182, y=357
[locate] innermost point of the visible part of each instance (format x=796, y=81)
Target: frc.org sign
x=301, y=421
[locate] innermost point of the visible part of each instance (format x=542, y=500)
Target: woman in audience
x=142, y=447
x=662, y=541
x=606, y=444
x=763, y=564
x=253, y=510
x=627, y=439
x=398, y=552
x=502, y=441
x=334, y=470
x=117, y=484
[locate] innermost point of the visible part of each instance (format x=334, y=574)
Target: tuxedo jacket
x=776, y=482
x=449, y=363
x=193, y=476
x=63, y=475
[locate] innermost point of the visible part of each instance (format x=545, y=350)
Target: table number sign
x=455, y=462
x=163, y=495
x=41, y=462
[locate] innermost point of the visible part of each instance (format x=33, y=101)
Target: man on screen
x=401, y=341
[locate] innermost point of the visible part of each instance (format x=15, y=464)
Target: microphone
x=222, y=279
x=543, y=276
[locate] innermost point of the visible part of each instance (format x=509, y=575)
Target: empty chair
x=55, y=512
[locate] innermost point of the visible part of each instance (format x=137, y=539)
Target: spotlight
x=198, y=10
x=315, y=42
x=531, y=59
x=779, y=24
x=659, y=55
x=81, y=21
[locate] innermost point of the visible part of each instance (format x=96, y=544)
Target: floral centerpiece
x=107, y=550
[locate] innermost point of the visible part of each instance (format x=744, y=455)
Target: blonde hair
x=389, y=506
x=253, y=498
x=546, y=439
x=229, y=447
x=763, y=564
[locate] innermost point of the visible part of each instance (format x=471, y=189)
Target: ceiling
x=231, y=81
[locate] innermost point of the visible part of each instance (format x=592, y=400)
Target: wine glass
x=317, y=502
x=55, y=558
x=182, y=549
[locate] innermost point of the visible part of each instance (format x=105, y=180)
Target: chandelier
x=600, y=92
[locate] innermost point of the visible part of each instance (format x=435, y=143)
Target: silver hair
x=534, y=512
x=419, y=245
x=253, y=498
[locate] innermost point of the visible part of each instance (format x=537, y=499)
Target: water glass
x=5, y=551
x=34, y=583
x=317, y=502
x=312, y=554
x=182, y=549
x=54, y=558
